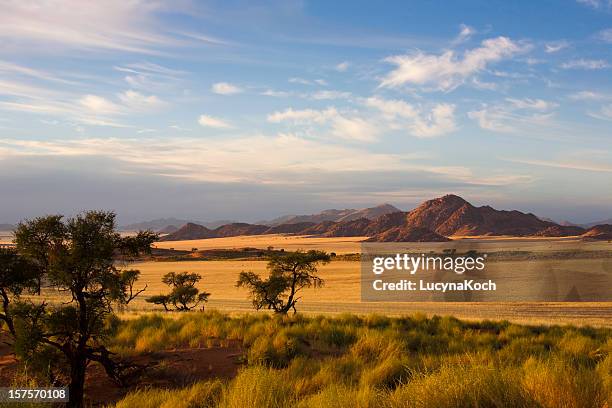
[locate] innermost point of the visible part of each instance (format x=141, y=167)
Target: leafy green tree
x=184, y=295
x=80, y=258
x=288, y=275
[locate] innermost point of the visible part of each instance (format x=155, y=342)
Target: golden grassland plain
x=342, y=292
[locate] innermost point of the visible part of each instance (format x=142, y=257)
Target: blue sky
x=247, y=110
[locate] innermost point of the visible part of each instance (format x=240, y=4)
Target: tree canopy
x=81, y=258
x=288, y=275
x=184, y=295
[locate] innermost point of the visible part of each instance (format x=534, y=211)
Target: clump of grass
x=457, y=386
x=557, y=383
x=386, y=374
x=341, y=396
x=377, y=345
x=199, y=395
x=258, y=387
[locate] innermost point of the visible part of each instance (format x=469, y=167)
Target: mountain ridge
x=433, y=220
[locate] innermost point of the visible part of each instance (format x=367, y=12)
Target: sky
x=249, y=110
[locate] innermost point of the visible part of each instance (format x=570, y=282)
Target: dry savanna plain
x=341, y=292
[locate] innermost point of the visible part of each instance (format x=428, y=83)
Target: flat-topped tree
x=184, y=295
x=288, y=275
x=81, y=258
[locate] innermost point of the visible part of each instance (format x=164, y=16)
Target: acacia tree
x=184, y=295
x=80, y=258
x=288, y=275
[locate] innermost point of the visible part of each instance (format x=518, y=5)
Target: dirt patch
x=167, y=369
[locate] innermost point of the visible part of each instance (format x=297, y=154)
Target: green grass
x=377, y=361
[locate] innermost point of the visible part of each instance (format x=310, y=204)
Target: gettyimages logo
x=480, y=272
x=411, y=264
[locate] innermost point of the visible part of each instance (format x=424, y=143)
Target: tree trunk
x=78, y=366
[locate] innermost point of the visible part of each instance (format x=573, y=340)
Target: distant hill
x=434, y=220
x=452, y=215
x=592, y=224
x=169, y=229
x=600, y=232
x=334, y=215
x=196, y=231
x=239, y=228
x=7, y=227
x=189, y=231
x=560, y=231
x=160, y=224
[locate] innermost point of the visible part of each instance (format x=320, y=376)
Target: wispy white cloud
x=447, y=71
x=151, y=77
x=604, y=113
x=367, y=125
x=12, y=68
x=465, y=33
x=354, y=128
x=514, y=115
x=247, y=159
x=211, y=121
x=330, y=94
x=225, y=88
x=556, y=46
x=589, y=64
x=112, y=25
x=605, y=35
x=438, y=121
x=139, y=102
x=590, y=96
x=206, y=39
x=582, y=166
x=596, y=4
x=276, y=94
x=99, y=105
x=302, y=81
x=343, y=66
x=343, y=126
x=302, y=116
x=533, y=104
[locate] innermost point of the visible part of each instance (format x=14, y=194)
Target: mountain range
x=334, y=215
x=167, y=225
x=433, y=220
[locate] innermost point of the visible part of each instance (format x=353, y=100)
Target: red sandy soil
x=167, y=369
